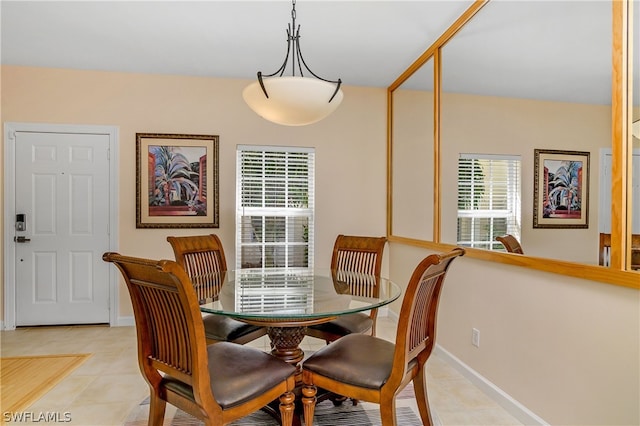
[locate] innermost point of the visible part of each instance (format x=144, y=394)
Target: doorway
x=60, y=216
x=604, y=208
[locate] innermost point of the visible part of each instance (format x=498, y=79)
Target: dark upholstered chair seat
x=346, y=324
x=238, y=374
x=218, y=327
x=217, y=383
x=356, y=262
x=368, y=368
x=343, y=360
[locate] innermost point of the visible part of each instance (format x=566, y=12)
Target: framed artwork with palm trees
x=561, y=189
x=176, y=181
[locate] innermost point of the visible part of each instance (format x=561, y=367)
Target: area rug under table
x=326, y=414
x=25, y=379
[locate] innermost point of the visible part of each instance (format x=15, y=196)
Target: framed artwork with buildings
x=561, y=189
x=176, y=181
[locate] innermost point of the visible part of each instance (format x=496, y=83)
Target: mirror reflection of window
x=512, y=101
x=488, y=199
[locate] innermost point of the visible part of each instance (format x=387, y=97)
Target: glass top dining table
x=287, y=300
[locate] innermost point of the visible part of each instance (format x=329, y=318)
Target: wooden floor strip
x=25, y=379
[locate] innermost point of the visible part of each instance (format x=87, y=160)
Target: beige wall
x=567, y=349
x=347, y=182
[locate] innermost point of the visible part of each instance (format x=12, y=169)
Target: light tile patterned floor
x=108, y=386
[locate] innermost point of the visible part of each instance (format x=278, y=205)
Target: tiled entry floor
x=106, y=388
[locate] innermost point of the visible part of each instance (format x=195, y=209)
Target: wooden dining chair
x=203, y=256
x=604, y=250
x=372, y=369
x=510, y=243
x=215, y=383
x=352, y=256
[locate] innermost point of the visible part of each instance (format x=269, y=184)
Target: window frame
x=266, y=212
x=513, y=211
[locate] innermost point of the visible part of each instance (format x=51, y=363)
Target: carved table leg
x=285, y=343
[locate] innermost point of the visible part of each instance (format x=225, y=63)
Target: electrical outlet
x=475, y=337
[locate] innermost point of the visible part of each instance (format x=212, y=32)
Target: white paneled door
x=62, y=199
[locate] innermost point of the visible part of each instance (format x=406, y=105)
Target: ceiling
x=552, y=50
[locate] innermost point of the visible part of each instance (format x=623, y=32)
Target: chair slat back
x=354, y=256
x=168, y=322
x=416, y=333
x=199, y=254
x=169, y=331
x=203, y=259
x=358, y=284
x=198, y=263
x=360, y=261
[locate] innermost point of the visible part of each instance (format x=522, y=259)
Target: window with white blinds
x=488, y=199
x=274, y=207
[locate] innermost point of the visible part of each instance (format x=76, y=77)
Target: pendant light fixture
x=295, y=100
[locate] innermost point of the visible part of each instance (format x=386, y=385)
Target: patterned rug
x=363, y=414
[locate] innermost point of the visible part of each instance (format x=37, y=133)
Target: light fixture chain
x=293, y=37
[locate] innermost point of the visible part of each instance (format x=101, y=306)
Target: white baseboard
x=513, y=407
x=126, y=322
x=386, y=312
x=383, y=312
x=121, y=322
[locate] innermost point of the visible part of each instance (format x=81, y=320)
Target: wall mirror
x=486, y=109
x=412, y=156
x=494, y=109
x=635, y=118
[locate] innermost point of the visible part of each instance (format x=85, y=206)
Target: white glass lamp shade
x=635, y=129
x=292, y=101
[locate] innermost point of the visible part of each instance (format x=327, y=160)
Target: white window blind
x=277, y=291
x=488, y=199
x=274, y=207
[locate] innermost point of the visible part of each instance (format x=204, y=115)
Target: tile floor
x=108, y=386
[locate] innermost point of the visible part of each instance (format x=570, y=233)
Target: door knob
x=21, y=239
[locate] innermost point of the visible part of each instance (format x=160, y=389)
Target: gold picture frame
x=177, y=181
x=561, y=189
